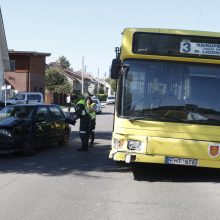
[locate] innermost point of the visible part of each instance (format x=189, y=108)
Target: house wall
x=1, y=77
x=17, y=80
x=37, y=76
x=29, y=74
x=4, y=58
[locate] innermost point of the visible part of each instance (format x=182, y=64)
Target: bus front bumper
x=129, y=157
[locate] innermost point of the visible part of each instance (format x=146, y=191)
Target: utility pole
x=105, y=83
x=82, y=75
x=98, y=83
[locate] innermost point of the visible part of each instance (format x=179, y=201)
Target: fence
x=55, y=98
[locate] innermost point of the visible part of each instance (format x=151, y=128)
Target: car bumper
x=158, y=159
x=7, y=146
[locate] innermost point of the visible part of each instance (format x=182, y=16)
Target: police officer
x=82, y=112
x=92, y=111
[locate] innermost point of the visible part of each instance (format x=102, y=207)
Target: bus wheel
x=137, y=170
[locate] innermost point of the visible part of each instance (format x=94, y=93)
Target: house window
x=35, y=88
x=12, y=65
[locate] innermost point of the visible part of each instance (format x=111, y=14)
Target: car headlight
x=5, y=132
x=135, y=145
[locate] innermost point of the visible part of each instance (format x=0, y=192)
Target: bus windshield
x=170, y=91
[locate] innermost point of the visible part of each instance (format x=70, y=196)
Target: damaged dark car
x=27, y=127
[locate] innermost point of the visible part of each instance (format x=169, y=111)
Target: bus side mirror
x=115, y=68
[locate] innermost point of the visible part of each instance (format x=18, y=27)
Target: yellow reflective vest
x=92, y=110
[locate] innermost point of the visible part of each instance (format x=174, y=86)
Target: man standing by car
x=68, y=101
x=92, y=111
x=82, y=112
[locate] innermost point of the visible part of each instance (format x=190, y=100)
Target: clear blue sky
x=92, y=28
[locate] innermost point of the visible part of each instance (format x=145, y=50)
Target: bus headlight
x=135, y=145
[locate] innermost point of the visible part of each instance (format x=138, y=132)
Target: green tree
x=63, y=62
x=55, y=81
x=101, y=89
x=112, y=83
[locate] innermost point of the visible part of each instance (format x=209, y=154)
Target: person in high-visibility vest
x=82, y=112
x=92, y=111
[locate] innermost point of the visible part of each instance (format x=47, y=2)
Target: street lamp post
x=5, y=87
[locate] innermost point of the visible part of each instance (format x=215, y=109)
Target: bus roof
x=173, y=31
x=127, y=43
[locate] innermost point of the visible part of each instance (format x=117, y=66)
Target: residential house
x=4, y=58
x=75, y=79
x=27, y=71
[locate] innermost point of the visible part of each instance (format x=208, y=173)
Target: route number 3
x=186, y=47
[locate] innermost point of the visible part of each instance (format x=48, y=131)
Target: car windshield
x=6, y=112
x=22, y=111
x=170, y=91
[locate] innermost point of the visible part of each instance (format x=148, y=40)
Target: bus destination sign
x=200, y=48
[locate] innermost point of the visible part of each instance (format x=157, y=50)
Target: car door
x=58, y=122
x=42, y=126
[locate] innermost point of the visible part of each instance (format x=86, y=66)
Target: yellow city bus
x=167, y=108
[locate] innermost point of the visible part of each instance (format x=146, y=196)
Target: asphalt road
x=62, y=183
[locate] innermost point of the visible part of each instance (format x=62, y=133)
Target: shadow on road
x=169, y=173
x=58, y=161
x=105, y=113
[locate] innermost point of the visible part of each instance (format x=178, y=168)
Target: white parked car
x=110, y=100
x=26, y=97
x=98, y=106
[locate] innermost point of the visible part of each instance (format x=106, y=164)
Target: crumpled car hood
x=10, y=122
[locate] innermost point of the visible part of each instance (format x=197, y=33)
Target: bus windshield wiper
x=192, y=113
x=188, y=108
x=205, y=122
x=145, y=115
x=183, y=113
x=175, y=107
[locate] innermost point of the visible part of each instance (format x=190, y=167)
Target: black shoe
x=91, y=143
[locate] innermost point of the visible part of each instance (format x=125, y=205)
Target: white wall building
x=4, y=58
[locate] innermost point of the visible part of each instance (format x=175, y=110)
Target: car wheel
x=28, y=148
x=64, y=139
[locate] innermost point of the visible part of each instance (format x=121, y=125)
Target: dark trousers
x=69, y=106
x=84, y=136
x=84, y=131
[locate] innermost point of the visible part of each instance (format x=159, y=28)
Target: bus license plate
x=181, y=161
